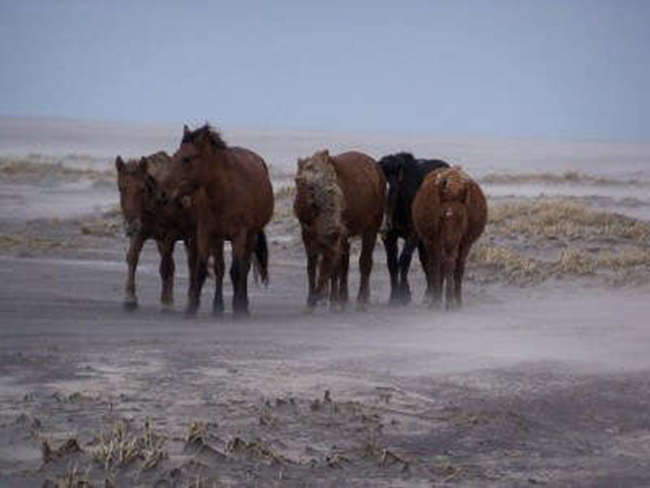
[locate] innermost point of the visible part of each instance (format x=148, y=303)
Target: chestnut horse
x=145, y=217
x=233, y=200
x=449, y=214
x=338, y=197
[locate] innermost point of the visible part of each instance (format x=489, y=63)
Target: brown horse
x=449, y=214
x=145, y=217
x=233, y=198
x=337, y=198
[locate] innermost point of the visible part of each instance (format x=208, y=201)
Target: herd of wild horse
x=209, y=192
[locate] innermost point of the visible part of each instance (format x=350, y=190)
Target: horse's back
x=363, y=185
x=250, y=176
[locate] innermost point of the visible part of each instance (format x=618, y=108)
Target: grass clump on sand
x=39, y=167
x=119, y=447
x=566, y=218
x=566, y=177
x=508, y=264
x=74, y=478
x=529, y=241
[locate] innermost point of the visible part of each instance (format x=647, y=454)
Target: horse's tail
x=261, y=259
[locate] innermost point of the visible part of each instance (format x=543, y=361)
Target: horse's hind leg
x=219, y=271
x=200, y=273
x=390, y=245
x=365, y=266
x=344, y=269
x=132, y=257
x=242, y=250
x=404, y=264
x=167, y=268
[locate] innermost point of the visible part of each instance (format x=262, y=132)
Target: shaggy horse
x=404, y=175
x=449, y=214
x=233, y=200
x=145, y=217
x=338, y=197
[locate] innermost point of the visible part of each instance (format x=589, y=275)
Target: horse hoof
x=130, y=305
x=167, y=308
x=362, y=307
x=217, y=309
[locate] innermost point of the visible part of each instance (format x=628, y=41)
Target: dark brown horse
x=233, y=200
x=338, y=197
x=145, y=217
x=449, y=214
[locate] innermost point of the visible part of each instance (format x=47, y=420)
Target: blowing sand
x=541, y=379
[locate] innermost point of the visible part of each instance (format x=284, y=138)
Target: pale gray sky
x=550, y=68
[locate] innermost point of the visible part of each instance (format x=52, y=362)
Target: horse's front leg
x=365, y=267
x=459, y=274
x=327, y=268
x=191, y=251
x=404, y=264
x=132, y=256
x=424, y=262
x=200, y=272
x=219, y=271
x=434, y=272
x=344, y=270
x=390, y=245
x=167, y=268
x=311, y=250
x=242, y=250
x=448, y=269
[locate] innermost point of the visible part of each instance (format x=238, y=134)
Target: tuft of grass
x=575, y=262
x=74, y=478
x=511, y=265
x=565, y=177
x=70, y=446
x=118, y=447
x=553, y=218
x=285, y=192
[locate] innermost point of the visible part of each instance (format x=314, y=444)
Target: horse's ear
x=326, y=153
x=186, y=129
x=400, y=173
x=143, y=165
x=301, y=163
x=119, y=164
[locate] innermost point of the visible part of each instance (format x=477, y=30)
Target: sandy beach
x=541, y=379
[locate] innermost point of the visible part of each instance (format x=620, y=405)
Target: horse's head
x=453, y=226
x=319, y=200
x=453, y=184
x=191, y=161
x=393, y=166
x=137, y=189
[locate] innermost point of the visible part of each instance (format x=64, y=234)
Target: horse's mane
x=318, y=183
x=157, y=165
x=393, y=162
x=212, y=134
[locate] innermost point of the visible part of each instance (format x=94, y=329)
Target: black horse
x=404, y=175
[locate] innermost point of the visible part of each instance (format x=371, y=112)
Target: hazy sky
x=558, y=68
